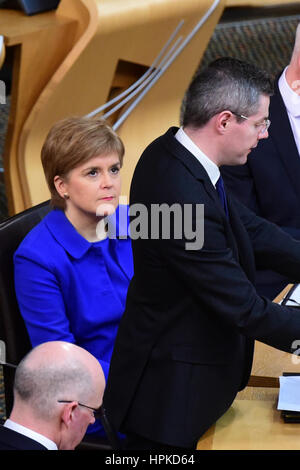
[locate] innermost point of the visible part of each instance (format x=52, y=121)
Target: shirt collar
x=50, y=445
x=74, y=243
x=289, y=96
x=210, y=167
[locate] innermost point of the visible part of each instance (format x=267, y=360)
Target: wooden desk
x=253, y=421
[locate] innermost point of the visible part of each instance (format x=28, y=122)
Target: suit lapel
x=235, y=232
x=286, y=147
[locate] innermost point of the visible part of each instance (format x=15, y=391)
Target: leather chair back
x=12, y=327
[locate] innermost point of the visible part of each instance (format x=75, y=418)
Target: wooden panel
x=40, y=43
x=269, y=363
x=131, y=32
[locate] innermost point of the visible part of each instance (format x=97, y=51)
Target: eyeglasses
x=97, y=412
x=262, y=127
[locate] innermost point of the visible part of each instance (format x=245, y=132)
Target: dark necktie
x=221, y=193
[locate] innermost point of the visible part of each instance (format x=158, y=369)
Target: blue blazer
x=269, y=185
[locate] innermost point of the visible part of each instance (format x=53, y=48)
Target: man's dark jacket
x=185, y=343
x=269, y=184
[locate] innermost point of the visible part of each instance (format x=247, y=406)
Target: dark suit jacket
x=12, y=440
x=184, y=346
x=269, y=183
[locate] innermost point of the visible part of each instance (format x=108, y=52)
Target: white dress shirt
x=50, y=445
x=292, y=103
x=211, y=168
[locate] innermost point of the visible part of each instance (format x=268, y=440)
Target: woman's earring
x=66, y=196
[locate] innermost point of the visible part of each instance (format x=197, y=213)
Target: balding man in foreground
x=57, y=391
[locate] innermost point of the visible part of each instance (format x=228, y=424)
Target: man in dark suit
x=58, y=387
x=185, y=343
x=268, y=183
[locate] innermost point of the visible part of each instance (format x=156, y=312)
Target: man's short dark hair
x=227, y=83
